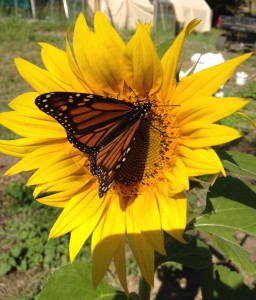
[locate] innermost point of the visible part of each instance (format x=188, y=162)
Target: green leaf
x=218, y=282
x=238, y=163
x=230, y=208
x=163, y=47
x=16, y=251
x=4, y=268
x=73, y=282
x=194, y=254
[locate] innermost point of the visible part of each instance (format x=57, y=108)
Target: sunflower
x=147, y=197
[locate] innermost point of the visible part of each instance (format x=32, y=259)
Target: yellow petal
x=119, y=261
x=59, y=200
x=201, y=134
x=107, y=237
x=21, y=147
x=41, y=80
x=141, y=249
x=177, y=178
x=37, y=158
x=25, y=106
x=83, y=206
x=109, y=37
x=58, y=166
x=99, y=69
x=170, y=62
x=200, y=161
x=173, y=212
x=103, y=67
x=206, y=82
x=81, y=43
x=152, y=231
x=80, y=234
x=31, y=127
x=56, y=62
x=60, y=190
x=73, y=65
x=142, y=67
x=25, y=102
x=208, y=109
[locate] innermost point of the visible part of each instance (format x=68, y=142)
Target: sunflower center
x=152, y=152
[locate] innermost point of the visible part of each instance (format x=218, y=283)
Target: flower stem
x=144, y=289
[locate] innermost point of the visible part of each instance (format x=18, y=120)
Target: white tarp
x=124, y=13
x=186, y=10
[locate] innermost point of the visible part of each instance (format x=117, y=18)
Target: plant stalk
x=144, y=289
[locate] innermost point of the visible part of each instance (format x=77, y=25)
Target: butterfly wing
x=107, y=161
x=101, y=126
x=88, y=119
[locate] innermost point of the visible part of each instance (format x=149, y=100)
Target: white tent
x=124, y=13
x=186, y=10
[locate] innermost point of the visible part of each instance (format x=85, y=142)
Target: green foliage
x=163, y=47
x=11, y=26
x=194, y=254
x=249, y=91
x=25, y=233
x=219, y=282
x=230, y=208
x=20, y=193
x=239, y=164
x=74, y=282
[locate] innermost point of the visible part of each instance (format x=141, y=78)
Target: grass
x=19, y=38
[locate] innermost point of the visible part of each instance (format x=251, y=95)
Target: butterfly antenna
x=169, y=105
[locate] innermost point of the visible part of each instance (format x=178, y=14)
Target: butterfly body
x=103, y=127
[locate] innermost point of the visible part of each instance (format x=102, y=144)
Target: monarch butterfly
x=103, y=127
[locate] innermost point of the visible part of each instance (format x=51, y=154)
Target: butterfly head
x=146, y=107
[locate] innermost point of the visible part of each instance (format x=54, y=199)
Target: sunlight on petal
x=107, y=237
x=31, y=127
x=170, y=62
x=142, y=66
x=173, y=214
x=58, y=166
x=201, y=134
x=141, y=249
x=73, y=65
x=119, y=261
x=41, y=80
x=108, y=36
x=21, y=147
x=152, y=231
x=208, y=81
x=208, y=109
x=60, y=68
x=81, y=207
x=201, y=161
x=177, y=177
